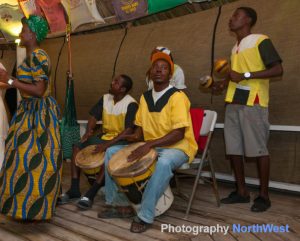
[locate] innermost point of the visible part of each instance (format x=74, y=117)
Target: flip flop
x=66, y=198
x=138, y=225
x=116, y=212
x=84, y=203
x=234, y=197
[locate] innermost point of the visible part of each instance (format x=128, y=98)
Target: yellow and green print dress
x=31, y=173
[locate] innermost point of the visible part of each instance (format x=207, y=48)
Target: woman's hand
x=3, y=76
x=4, y=86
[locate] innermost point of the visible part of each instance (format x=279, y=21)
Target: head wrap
x=38, y=25
x=163, y=56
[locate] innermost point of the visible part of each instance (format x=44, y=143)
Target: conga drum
x=89, y=162
x=132, y=177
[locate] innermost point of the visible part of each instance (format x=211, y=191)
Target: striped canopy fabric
x=81, y=12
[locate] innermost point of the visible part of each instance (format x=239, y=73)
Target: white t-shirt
x=157, y=95
x=176, y=81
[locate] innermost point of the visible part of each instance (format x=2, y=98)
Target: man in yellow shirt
x=254, y=60
x=164, y=120
x=117, y=111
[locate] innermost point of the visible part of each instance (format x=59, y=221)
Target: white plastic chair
x=195, y=168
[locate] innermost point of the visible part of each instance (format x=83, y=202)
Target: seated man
x=164, y=120
x=117, y=111
x=177, y=79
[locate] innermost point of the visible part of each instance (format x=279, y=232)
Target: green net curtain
x=70, y=129
x=155, y=6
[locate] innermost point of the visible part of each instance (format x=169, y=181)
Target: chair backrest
x=209, y=122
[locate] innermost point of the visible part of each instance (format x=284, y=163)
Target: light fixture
x=10, y=21
x=17, y=41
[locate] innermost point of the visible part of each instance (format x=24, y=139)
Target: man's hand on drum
x=139, y=152
x=100, y=148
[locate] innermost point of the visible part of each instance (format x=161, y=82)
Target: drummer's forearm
x=119, y=137
x=169, y=139
x=137, y=134
x=91, y=124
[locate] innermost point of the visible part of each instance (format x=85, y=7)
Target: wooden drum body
x=89, y=162
x=132, y=177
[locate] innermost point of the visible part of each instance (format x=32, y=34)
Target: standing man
x=254, y=60
x=164, y=120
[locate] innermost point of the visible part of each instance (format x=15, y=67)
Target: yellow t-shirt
x=116, y=117
x=171, y=111
x=254, y=53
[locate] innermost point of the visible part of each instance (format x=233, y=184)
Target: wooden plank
x=58, y=231
x=153, y=231
x=240, y=210
x=11, y=236
x=84, y=230
x=115, y=227
x=72, y=224
x=179, y=222
x=201, y=237
x=26, y=230
x=223, y=220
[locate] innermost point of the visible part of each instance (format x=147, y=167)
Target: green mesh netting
x=69, y=128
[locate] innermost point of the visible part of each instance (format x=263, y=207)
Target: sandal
x=117, y=212
x=234, y=197
x=66, y=198
x=138, y=225
x=84, y=203
x=260, y=204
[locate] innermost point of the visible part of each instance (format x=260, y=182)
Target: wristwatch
x=247, y=75
x=10, y=81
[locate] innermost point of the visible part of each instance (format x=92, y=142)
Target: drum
x=132, y=177
x=89, y=162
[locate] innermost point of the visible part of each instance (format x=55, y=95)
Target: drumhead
x=87, y=160
x=118, y=166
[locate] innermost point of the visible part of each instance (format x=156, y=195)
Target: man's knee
x=109, y=152
x=163, y=164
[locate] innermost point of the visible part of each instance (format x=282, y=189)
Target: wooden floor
x=71, y=224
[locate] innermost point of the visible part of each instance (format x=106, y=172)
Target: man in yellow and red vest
x=254, y=60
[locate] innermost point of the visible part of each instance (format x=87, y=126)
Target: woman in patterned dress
x=31, y=173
